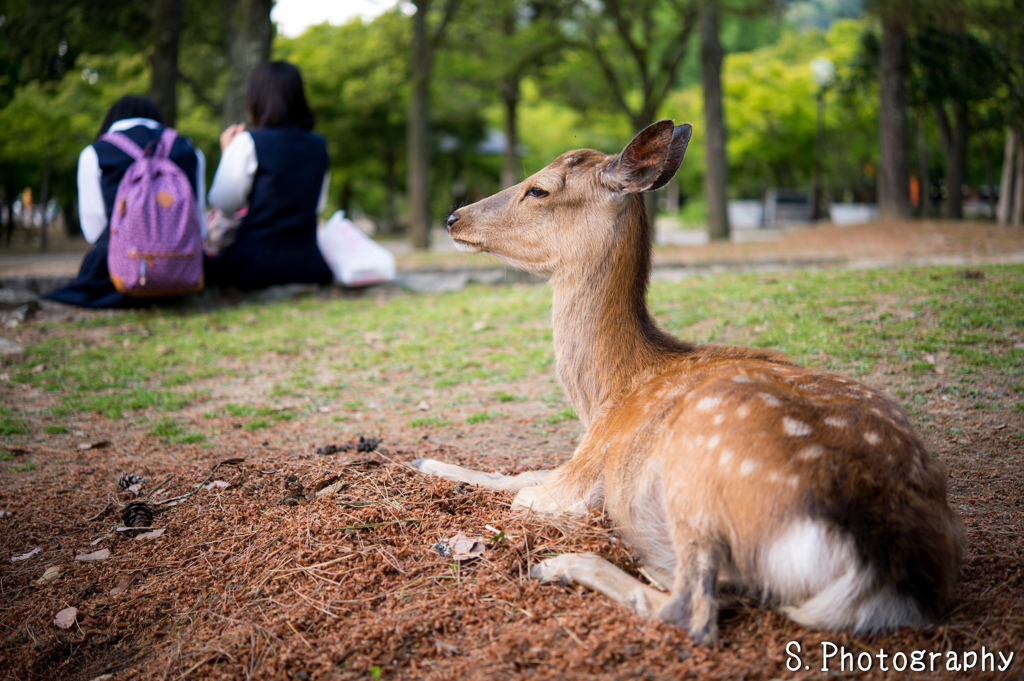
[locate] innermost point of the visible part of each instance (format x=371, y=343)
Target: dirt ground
x=256, y=575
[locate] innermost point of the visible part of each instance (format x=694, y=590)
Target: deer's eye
x=536, y=192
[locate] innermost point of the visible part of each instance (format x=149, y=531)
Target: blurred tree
x=893, y=141
x=167, y=26
x=716, y=177
x=249, y=33
x=427, y=36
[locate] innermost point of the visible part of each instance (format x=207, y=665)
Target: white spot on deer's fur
x=794, y=481
x=743, y=412
x=708, y=403
x=713, y=441
x=811, y=453
x=723, y=460
x=836, y=422
x=795, y=428
x=742, y=379
x=872, y=438
x=748, y=466
x=719, y=419
x=770, y=400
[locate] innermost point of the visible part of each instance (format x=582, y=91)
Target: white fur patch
x=811, y=453
x=713, y=441
x=837, y=422
x=743, y=412
x=719, y=419
x=742, y=379
x=815, y=575
x=795, y=428
x=770, y=400
x=748, y=466
x=708, y=403
x=872, y=438
x=723, y=460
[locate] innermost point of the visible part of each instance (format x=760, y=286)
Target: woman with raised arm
x=101, y=165
x=278, y=170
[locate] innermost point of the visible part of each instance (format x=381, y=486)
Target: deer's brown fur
x=806, y=488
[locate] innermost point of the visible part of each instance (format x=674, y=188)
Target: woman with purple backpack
x=136, y=125
x=277, y=170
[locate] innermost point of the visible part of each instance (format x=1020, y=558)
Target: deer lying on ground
x=716, y=463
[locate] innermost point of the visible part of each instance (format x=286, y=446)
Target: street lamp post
x=824, y=73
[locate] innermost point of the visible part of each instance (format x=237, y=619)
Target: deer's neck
x=603, y=332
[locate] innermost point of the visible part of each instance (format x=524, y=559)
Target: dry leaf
x=135, y=489
x=232, y=462
x=39, y=368
x=324, y=410
x=423, y=406
x=152, y=534
x=1018, y=346
x=93, y=445
x=66, y=618
x=123, y=582
x=465, y=548
x=94, y=542
x=26, y=556
x=51, y=575
x=217, y=484
x=104, y=677
x=930, y=359
x=102, y=554
x=329, y=490
x=4, y=513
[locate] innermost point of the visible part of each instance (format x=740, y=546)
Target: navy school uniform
x=276, y=241
x=92, y=287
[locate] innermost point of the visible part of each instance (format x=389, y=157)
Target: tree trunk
x=1018, y=192
x=1006, y=181
x=893, y=171
x=956, y=166
x=419, y=151
x=167, y=25
x=251, y=33
x=510, y=98
x=716, y=174
x=924, y=174
x=986, y=154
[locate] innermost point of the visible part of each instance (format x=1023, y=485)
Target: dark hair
x=131, y=106
x=277, y=97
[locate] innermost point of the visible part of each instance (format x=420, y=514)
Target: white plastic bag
x=354, y=258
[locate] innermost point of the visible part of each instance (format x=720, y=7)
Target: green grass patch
x=55, y=430
x=428, y=422
x=567, y=414
x=12, y=423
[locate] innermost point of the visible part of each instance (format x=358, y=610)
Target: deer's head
x=573, y=209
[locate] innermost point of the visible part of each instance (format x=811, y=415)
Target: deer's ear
x=651, y=159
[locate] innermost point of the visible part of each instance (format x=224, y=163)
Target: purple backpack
x=156, y=247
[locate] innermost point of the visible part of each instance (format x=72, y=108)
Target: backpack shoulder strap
x=124, y=143
x=163, y=147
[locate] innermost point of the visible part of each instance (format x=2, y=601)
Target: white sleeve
x=232, y=182
x=325, y=189
x=201, y=189
x=92, y=212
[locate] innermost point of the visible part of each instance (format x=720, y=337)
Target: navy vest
x=92, y=287
x=276, y=242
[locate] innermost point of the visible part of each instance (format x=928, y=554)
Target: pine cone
x=137, y=514
x=129, y=479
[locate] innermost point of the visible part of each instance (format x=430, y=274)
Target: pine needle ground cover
x=288, y=540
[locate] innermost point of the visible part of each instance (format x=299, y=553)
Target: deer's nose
x=452, y=219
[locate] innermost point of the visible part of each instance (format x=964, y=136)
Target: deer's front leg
x=594, y=572
x=495, y=481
